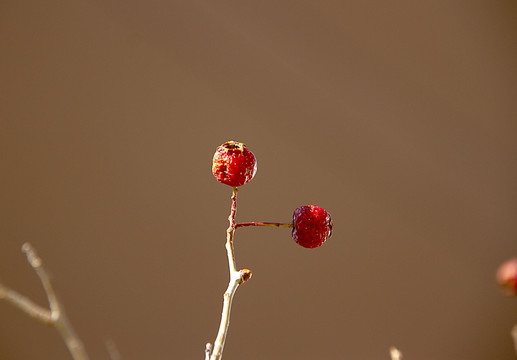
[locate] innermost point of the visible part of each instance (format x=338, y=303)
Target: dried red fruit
x=312, y=225
x=507, y=277
x=234, y=164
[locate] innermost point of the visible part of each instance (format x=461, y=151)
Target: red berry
x=312, y=225
x=507, y=277
x=234, y=164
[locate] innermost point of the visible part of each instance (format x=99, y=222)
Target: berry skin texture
x=312, y=225
x=507, y=277
x=234, y=164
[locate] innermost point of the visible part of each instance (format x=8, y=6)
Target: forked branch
x=54, y=316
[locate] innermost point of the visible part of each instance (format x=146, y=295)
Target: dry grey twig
x=54, y=316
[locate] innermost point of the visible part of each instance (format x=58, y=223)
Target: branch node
x=208, y=351
x=245, y=275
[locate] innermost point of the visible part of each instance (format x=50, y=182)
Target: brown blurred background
x=399, y=117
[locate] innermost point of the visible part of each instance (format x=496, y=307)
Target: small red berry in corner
x=234, y=164
x=312, y=225
x=507, y=277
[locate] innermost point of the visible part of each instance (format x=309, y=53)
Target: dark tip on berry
x=232, y=145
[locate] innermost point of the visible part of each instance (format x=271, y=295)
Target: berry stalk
x=261, y=223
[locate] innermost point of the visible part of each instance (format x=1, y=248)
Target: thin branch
x=514, y=336
x=236, y=278
x=55, y=316
x=113, y=352
x=395, y=354
x=25, y=305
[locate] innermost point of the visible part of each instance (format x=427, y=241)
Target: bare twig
x=237, y=277
x=514, y=336
x=113, y=352
x=395, y=354
x=55, y=316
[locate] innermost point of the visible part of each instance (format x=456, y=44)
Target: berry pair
x=235, y=165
